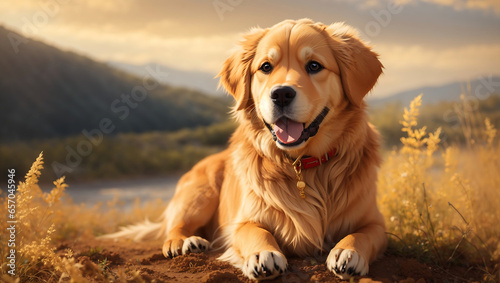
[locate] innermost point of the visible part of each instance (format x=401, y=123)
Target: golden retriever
x=299, y=175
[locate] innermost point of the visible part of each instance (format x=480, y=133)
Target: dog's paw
x=176, y=247
x=264, y=265
x=346, y=263
x=195, y=244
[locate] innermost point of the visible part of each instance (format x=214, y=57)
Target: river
x=127, y=191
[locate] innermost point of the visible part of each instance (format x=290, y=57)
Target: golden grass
x=46, y=219
x=440, y=203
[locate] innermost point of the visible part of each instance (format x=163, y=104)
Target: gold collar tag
x=301, y=185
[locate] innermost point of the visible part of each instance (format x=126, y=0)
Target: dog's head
x=298, y=76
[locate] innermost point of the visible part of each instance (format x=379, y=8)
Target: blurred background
x=120, y=95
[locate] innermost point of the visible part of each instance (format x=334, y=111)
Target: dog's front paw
x=195, y=244
x=346, y=263
x=176, y=247
x=264, y=265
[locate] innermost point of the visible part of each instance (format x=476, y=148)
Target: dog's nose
x=282, y=95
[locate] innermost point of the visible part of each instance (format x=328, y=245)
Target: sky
x=420, y=42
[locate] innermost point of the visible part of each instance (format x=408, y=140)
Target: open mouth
x=288, y=132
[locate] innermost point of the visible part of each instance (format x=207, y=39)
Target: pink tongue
x=288, y=131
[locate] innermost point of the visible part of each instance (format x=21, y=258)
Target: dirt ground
x=126, y=257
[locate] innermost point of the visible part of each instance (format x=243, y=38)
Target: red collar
x=311, y=162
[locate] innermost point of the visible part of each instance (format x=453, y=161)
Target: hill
x=197, y=80
x=478, y=89
x=124, y=155
x=46, y=92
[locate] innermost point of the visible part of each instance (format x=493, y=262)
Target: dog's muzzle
x=308, y=132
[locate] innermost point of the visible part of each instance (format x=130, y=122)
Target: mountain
x=46, y=92
x=480, y=89
x=197, y=80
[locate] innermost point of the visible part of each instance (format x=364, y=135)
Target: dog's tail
x=146, y=230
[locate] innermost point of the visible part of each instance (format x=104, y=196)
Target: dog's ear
x=358, y=65
x=236, y=74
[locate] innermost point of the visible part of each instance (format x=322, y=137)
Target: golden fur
x=245, y=198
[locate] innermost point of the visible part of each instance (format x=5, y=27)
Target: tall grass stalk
x=426, y=197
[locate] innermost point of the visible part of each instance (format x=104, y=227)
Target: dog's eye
x=313, y=67
x=266, y=68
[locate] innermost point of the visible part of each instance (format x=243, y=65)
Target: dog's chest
x=298, y=224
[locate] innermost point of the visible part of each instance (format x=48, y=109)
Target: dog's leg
x=192, y=207
x=262, y=257
x=353, y=254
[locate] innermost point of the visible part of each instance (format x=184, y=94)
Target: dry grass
x=46, y=219
x=440, y=203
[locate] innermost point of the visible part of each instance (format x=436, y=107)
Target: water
x=126, y=190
